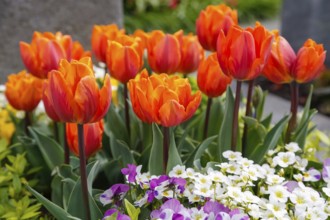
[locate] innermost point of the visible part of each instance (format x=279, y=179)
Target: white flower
x=190, y=172
x=274, y=179
x=300, y=163
x=326, y=190
x=278, y=209
x=254, y=211
x=284, y=159
x=278, y=193
x=235, y=193
x=197, y=214
x=204, y=189
x=178, y=171
x=312, y=175
x=232, y=156
x=292, y=147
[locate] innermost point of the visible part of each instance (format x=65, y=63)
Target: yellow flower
x=7, y=128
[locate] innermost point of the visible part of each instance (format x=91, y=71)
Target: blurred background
x=297, y=20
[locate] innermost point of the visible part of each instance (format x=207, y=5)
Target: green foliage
x=15, y=201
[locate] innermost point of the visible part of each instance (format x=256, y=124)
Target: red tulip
x=163, y=99
x=23, y=91
x=211, y=21
x=71, y=93
x=164, y=55
x=100, y=36
x=92, y=137
x=124, y=57
x=243, y=54
x=192, y=52
x=45, y=52
x=210, y=78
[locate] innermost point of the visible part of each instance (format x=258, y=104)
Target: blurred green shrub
x=157, y=14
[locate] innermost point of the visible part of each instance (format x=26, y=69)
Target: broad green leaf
x=267, y=121
x=156, y=154
x=224, y=138
x=197, y=153
x=94, y=170
x=52, y=152
x=216, y=117
x=121, y=151
x=256, y=134
x=307, y=107
x=115, y=124
x=55, y=210
x=131, y=210
x=270, y=142
x=173, y=154
x=261, y=102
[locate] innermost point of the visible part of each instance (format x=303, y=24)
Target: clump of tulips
x=165, y=115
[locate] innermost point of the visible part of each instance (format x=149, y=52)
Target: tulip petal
x=171, y=113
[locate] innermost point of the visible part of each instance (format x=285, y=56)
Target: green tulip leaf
x=131, y=210
x=156, y=155
x=173, y=154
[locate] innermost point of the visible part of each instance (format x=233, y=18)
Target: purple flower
x=120, y=216
x=326, y=170
x=215, y=207
x=116, y=192
x=130, y=171
x=157, y=181
x=291, y=185
x=171, y=209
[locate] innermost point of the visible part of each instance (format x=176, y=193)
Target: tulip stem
x=66, y=147
x=248, y=113
x=127, y=111
x=56, y=136
x=166, y=143
x=27, y=120
x=294, y=87
x=83, y=174
x=207, y=116
x=235, y=116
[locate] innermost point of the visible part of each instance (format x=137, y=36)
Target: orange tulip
x=210, y=78
x=281, y=59
x=23, y=91
x=164, y=55
x=124, y=57
x=191, y=52
x=71, y=93
x=143, y=35
x=243, y=54
x=211, y=21
x=92, y=137
x=309, y=63
x=45, y=52
x=163, y=99
x=100, y=36
x=78, y=51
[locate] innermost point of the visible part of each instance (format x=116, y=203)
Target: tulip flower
x=211, y=21
x=309, y=63
x=100, y=36
x=124, y=57
x=23, y=91
x=92, y=137
x=164, y=54
x=191, y=52
x=212, y=82
x=242, y=54
x=163, y=100
x=71, y=93
x=142, y=35
x=46, y=50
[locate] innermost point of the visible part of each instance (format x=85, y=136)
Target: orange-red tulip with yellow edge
x=143, y=35
x=191, y=52
x=280, y=62
x=124, y=57
x=164, y=54
x=309, y=63
x=243, y=54
x=163, y=99
x=46, y=50
x=100, y=36
x=211, y=21
x=23, y=91
x=92, y=137
x=78, y=51
x=71, y=93
x=210, y=78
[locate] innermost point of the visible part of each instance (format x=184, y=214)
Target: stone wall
x=303, y=19
x=20, y=18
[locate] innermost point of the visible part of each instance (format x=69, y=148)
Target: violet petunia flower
x=215, y=207
x=326, y=170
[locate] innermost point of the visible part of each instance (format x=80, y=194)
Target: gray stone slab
x=20, y=18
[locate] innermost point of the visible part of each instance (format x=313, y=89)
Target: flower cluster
x=281, y=188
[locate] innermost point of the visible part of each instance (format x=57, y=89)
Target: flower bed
x=198, y=153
